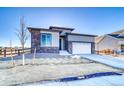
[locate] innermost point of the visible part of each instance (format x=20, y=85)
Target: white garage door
x=81, y=48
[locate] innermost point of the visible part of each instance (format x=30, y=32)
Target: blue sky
x=97, y=21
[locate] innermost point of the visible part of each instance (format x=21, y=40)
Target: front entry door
x=61, y=43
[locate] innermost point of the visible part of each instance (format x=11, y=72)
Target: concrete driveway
x=106, y=59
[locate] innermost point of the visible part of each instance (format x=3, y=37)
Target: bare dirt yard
x=48, y=69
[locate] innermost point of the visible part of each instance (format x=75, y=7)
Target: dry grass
x=48, y=69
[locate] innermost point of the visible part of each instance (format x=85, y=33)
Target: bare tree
x=22, y=33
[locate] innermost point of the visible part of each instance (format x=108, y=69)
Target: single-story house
x=54, y=39
x=113, y=41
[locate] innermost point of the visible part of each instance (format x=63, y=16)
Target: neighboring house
x=113, y=41
x=54, y=39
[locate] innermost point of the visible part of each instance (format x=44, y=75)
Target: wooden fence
x=6, y=52
x=106, y=52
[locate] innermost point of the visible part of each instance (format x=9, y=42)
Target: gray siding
x=81, y=38
x=107, y=42
x=121, y=40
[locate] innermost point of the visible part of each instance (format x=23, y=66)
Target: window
x=46, y=39
x=122, y=47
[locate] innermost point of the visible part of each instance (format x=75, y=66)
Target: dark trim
x=120, y=37
x=81, y=34
x=62, y=28
x=116, y=36
x=42, y=29
x=81, y=41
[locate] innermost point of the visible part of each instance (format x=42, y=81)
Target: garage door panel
x=81, y=48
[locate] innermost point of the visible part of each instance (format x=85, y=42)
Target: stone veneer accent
x=35, y=43
x=35, y=39
x=70, y=46
x=48, y=50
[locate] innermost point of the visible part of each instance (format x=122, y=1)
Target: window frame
x=46, y=40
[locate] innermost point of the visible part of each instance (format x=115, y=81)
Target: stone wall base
x=47, y=50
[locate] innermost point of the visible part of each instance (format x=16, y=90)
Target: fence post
x=34, y=56
x=11, y=51
x=0, y=51
x=4, y=52
x=15, y=51
x=23, y=59
x=18, y=52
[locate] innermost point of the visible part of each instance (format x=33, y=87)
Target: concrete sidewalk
x=113, y=80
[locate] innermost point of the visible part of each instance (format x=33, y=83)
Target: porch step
x=63, y=52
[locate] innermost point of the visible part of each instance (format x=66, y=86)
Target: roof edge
x=40, y=29
x=64, y=28
x=82, y=34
